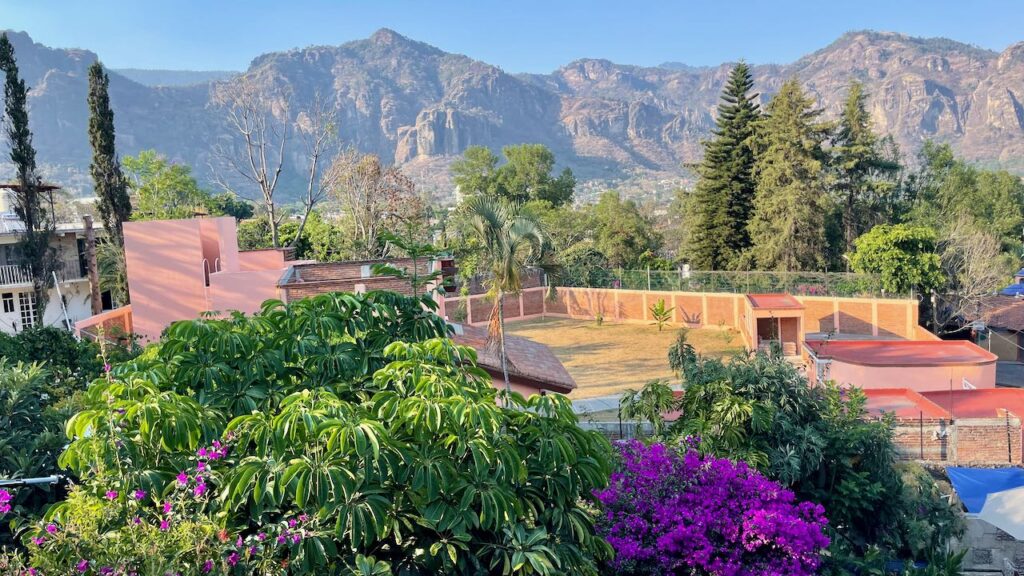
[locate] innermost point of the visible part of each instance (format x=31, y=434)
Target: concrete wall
x=1005, y=344
x=988, y=548
x=917, y=378
x=866, y=316
x=165, y=273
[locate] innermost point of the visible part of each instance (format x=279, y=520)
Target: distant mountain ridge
x=632, y=127
x=155, y=78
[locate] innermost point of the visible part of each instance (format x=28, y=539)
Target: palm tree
x=510, y=241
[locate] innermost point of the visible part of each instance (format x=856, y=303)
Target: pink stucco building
x=918, y=365
x=178, y=269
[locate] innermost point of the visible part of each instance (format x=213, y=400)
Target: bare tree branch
x=971, y=261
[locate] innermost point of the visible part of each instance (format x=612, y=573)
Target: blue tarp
x=973, y=485
x=1013, y=290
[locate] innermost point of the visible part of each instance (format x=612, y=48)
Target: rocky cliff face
x=634, y=127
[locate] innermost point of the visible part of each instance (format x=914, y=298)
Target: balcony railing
x=12, y=275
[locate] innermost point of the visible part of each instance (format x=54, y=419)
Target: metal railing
x=835, y=284
x=68, y=268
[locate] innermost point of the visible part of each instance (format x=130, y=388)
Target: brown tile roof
x=527, y=360
x=1005, y=312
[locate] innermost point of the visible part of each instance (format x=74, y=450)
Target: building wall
x=916, y=378
x=695, y=309
x=964, y=441
x=1005, y=344
x=243, y=291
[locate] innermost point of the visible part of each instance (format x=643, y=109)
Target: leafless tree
x=317, y=128
x=372, y=197
x=257, y=152
x=974, y=268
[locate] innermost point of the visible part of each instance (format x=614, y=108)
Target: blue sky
x=518, y=35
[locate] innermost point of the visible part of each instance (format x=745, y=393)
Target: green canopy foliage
x=352, y=412
x=527, y=174
x=903, y=255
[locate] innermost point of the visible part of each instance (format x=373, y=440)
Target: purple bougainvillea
x=671, y=513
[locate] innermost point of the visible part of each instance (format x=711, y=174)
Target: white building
x=70, y=295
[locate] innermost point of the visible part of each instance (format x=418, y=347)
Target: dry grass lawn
x=613, y=357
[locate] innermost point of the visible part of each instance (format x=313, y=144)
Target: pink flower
x=111, y=494
x=207, y=566
x=200, y=466
x=292, y=523
x=238, y=543
x=51, y=528
x=303, y=517
x=106, y=571
x=282, y=539
x=253, y=551
x=167, y=507
x=296, y=537
x=202, y=452
x=140, y=494
x=82, y=566
x=164, y=525
x=33, y=572
x=233, y=559
x=182, y=478
x=199, y=490
x=38, y=540
x=5, y=498
x=106, y=367
x=261, y=536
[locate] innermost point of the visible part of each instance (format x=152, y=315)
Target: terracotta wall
x=243, y=291
x=114, y=324
x=970, y=441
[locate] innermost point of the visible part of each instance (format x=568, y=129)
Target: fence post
x=920, y=422
x=648, y=278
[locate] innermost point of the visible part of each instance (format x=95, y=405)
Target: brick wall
x=312, y=279
x=967, y=441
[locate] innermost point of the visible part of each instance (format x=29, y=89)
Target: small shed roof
x=774, y=302
x=901, y=352
x=528, y=360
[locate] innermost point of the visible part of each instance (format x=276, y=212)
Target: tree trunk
x=501, y=345
x=91, y=267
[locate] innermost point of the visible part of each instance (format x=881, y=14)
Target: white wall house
x=17, y=301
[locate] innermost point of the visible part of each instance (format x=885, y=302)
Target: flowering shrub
x=335, y=435
x=666, y=513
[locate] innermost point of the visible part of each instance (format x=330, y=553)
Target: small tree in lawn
x=649, y=404
x=661, y=314
x=510, y=241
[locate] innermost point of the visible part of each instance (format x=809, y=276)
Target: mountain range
x=615, y=125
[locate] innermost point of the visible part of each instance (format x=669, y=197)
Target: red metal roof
x=901, y=352
x=982, y=403
x=774, y=302
x=901, y=402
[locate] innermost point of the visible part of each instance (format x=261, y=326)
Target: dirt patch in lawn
x=612, y=357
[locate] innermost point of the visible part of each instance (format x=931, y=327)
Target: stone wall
x=989, y=549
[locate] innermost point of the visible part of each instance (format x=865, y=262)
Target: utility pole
x=91, y=266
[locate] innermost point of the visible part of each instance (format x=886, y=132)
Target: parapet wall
x=868, y=316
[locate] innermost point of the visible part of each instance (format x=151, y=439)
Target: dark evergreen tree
x=108, y=180
x=724, y=196
x=29, y=193
x=787, y=230
x=865, y=169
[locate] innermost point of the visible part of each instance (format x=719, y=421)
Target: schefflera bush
x=670, y=513
x=342, y=434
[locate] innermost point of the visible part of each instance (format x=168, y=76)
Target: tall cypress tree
x=108, y=180
x=788, y=228
x=724, y=196
x=36, y=253
x=864, y=171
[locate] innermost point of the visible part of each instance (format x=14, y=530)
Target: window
x=27, y=302
x=8, y=298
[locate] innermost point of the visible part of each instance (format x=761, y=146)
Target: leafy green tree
x=510, y=241
x=526, y=175
x=905, y=256
x=787, y=230
x=817, y=442
x=623, y=233
x=864, y=173
x=347, y=423
x=34, y=242
x=724, y=197
x=163, y=190
x=649, y=404
x=947, y=189
x=227, y=204
x=114, y=205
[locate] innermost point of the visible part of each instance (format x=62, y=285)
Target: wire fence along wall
x=836, y=284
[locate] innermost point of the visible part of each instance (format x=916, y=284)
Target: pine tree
x=724, y=195
x=865, y=170
x=108, y=180
x=787, y=230
x=34, y=245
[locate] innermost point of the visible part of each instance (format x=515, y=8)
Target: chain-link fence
x=837, y=284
